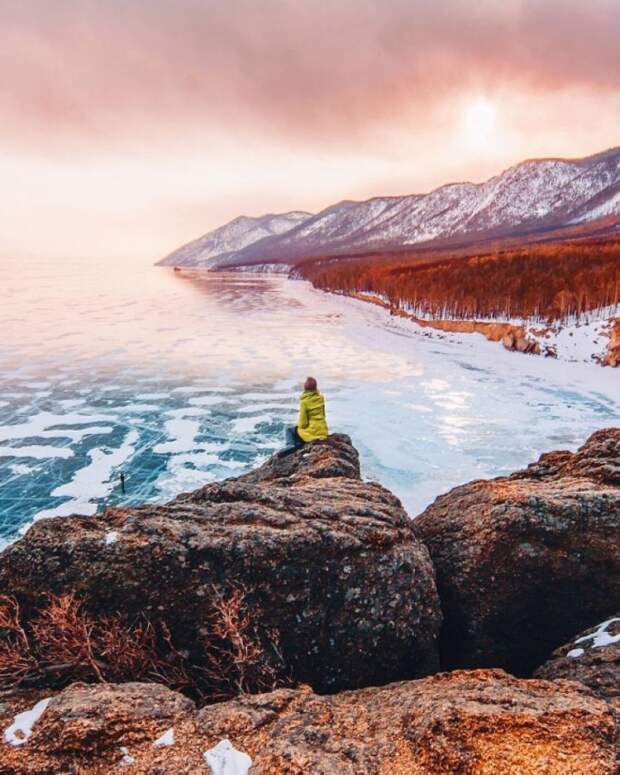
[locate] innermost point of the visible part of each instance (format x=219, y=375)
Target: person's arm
x=302, y=422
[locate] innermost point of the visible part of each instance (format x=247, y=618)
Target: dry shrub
x=240, y=658
x=63, y=642
x=17, y=663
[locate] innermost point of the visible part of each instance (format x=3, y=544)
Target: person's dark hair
x=310, y=384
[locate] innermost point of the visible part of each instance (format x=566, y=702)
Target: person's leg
x=293, y=442
x=299, y=442
x=291, y=436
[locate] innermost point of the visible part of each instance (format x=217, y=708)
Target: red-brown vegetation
x=550, y=281
x=63, y=642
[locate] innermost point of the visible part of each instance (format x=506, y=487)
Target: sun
x=479, y=124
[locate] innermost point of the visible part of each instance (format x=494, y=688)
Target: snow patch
x=19, y=469
x=224, y=759
x=166, y=739
x=181, y=433
x=127, y=759
x=92, y=481
x=21, y=728
x=45, y=425
x=600, y=637
x=111, y=537
x=36, y=451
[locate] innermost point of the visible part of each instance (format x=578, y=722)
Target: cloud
x=148, y=122
x=322, y=71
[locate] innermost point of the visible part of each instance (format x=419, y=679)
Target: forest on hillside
x=556, y=281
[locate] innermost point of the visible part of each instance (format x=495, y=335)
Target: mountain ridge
x=535, y=195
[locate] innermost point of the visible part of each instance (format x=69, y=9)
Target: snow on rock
x=21, y=728
x=600, y=637
x=584, y=339
x=224, y=759
x=166, y=739
x=111, y=537
x=127, y=760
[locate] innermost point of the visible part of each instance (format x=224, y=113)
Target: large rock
x=87, y=719
x=593, y=658
x=332, y=561
x=463, y=722
x=460, y=722
x=525, y=561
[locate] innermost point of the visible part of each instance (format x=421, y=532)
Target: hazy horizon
x=130, y=130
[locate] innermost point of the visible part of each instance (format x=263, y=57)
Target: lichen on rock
x=525, y=561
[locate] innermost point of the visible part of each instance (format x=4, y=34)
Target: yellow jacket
x=312, y=424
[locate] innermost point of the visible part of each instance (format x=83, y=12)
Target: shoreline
x=532, y=339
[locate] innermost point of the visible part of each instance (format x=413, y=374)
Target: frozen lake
x=178, y=379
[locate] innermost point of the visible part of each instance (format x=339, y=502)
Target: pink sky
x=131, y=126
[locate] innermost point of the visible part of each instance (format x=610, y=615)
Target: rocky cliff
x=525, y=561
x=330, y=561
x=333, y=563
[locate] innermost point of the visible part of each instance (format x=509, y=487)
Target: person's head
x=310, y=385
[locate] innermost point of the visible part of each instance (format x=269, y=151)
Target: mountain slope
x=225, y=241
x=534, y=197
x=537, y=195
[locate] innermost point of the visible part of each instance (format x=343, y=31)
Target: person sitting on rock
x=311, y=425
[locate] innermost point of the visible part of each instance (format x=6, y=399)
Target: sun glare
x=479, y=123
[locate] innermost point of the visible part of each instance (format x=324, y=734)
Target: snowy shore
x=588, y=339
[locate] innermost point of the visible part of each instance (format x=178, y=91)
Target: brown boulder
x=464, y=722
x=331, y=562
x=593, y=658
x=612, y=357
x=471, y=722
x=90, y=718
x=525, y=561
x=508, y=340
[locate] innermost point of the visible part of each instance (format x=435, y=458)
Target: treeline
x=554, y=281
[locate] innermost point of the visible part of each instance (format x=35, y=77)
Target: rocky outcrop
x=612, y=357
x=462, y=722
x=88, y=719
x=331, y=563
x=525, y=561
x=515, y=339
x=592, y=658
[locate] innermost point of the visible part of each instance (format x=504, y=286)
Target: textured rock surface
x=333, y=562
x=87, y=719
x=463, y=722
x=612, y=358
x=523, y=562
x=593, y=658
x=470, y=722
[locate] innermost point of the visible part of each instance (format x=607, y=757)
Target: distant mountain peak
x=216, y=245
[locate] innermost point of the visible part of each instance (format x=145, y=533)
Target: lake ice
x=178, y=379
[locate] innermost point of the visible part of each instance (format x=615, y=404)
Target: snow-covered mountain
x=217, y=245
x=535, y=196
